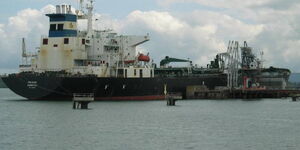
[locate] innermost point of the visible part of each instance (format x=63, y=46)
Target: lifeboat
x=143, y=57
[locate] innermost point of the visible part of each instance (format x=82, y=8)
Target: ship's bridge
x=63, y=23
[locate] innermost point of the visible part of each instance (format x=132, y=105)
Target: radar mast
x=89, y=15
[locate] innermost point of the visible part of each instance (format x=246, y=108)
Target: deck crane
x=168, y=60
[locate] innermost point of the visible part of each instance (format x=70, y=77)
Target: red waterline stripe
x=123, y=98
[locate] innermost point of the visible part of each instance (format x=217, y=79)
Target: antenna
x=90, y=8
x=87, y=5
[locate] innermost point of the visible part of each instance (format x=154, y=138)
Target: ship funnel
x=63, y=9
x=58, y=10
x=70, y=9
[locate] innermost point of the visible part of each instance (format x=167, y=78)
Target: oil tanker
x=106, y=64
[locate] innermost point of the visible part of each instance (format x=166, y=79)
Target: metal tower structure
x=81, y=14
x=232, y=64
x=26, y=56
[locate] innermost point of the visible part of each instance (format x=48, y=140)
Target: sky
x=194, y=29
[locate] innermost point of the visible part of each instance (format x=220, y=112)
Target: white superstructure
x=92, y=52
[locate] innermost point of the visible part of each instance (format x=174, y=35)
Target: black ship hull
x=58, y=87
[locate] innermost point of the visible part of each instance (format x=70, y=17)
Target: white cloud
x=197, y=35
x=103, y=22
x=2, y=26
x=161, y=22
x=269, y=25
x=28, y=23
x=218, y=3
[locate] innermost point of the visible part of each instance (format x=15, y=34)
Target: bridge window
x=141, y=73
x=66, y=41
x=134, y=72
x=60, y=27
x=45, y=41
x=52, y=27
x=111, y=48
x=83, y=41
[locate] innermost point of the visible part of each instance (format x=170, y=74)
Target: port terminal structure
x=246, y=77
x=201, y=92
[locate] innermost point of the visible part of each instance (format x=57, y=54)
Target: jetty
x=172, y=98
x=201, y=92
x=81, y=100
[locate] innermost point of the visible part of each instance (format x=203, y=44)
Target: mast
x=81, y=5
x=81, y=14
x=90, y=8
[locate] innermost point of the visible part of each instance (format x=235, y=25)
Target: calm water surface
x=203, y=124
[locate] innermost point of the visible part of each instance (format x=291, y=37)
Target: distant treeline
x=2, y=85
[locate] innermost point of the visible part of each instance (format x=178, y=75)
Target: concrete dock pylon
x=81, y=100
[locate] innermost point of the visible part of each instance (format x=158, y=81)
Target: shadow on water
x=16, y=100
x=27, y=100
x=65, y=100
x=250, y=100
x=224, y=100
x=137, y=101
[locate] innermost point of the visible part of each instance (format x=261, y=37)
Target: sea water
x=261, y=124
